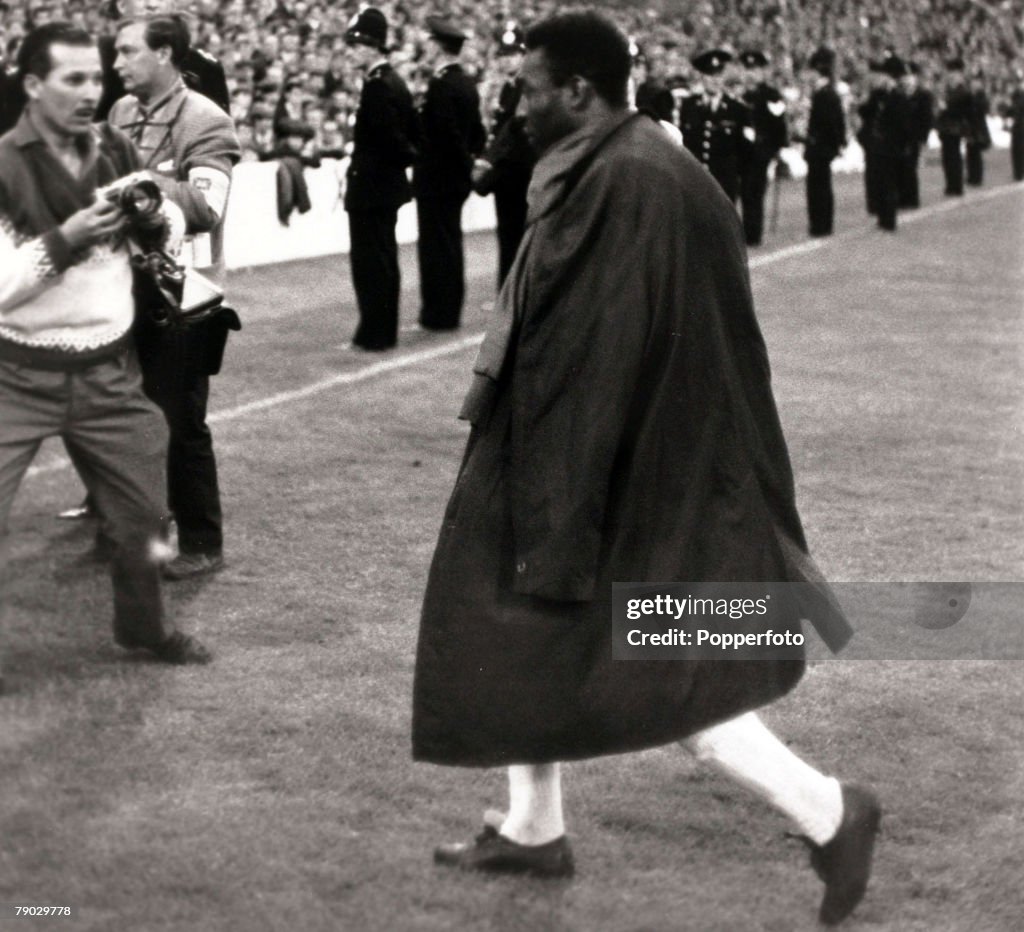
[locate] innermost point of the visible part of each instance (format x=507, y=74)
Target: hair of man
x=165, y=30
x=587, y=45
x=34, y=55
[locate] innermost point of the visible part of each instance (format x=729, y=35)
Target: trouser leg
x=744, y=750
x=173, y=380
x=376, y=277
x=820, y=205
x=887, y=190
x=753, y=187
x=120, y=438
x=870, y=182
x=952, y=164
x=1017, y=151
x=442, y=276
x=975, y=165
x=510, y=208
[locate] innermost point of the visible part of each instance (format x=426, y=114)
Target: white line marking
x=456, y=346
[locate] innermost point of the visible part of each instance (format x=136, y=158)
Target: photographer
x=67, y=366
x=190, y=145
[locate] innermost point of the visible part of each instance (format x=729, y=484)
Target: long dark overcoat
x=629, y=434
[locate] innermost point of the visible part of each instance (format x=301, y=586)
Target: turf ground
x=274, y=790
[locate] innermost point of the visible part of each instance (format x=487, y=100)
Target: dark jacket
x=956, y=118
x=887, y=123
x=452, y=135
x=509, y=151
x=200, y=71
x=922, y=110
x=826, y=125
x=624, y=430
x=656, y=99
x=716, y=137
x=768, y=117
x=385, y=144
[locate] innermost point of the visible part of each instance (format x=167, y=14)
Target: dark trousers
x=870, y=181
x=117, y=440
x=376, y=276
x=820, y=199
x=510, y=209
x=952, y=164
x=1017, y=149
x=173, y=376
x=753, y=188
x=975, y=164
x=885, y=188
x=909, y=183
x=442, y=274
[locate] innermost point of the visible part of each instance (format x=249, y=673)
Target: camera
x=138, y=197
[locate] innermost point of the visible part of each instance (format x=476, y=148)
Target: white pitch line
x=456, y=346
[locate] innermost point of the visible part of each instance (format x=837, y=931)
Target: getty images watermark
x=765, y=621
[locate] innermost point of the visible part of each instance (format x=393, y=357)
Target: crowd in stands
x=294, y=90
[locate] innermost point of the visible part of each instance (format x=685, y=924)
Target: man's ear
x=581, y=92
x=32, y=83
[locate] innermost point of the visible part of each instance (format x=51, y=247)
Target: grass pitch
x=274, y=790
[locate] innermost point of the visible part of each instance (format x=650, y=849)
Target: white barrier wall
x=254, y=235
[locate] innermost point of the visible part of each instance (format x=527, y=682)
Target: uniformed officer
x=826, y=136
x=715, y=124
x=199, y=69
x=384, y=145
x=189, y=145
x=953, y=125
x=452, y=135
x=768, y=115
x=886, y=133
x=979, y=139
x=507, y=165
x=922, y=119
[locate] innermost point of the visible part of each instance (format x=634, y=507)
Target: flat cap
x=442, y=28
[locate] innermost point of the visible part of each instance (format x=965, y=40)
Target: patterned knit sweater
x=57, y=305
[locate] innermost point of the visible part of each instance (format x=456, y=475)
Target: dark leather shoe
x=182, y=649
x=492, y=852
x=844, y=863
x=187, y=565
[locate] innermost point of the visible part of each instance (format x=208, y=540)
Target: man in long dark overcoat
x=623, y=430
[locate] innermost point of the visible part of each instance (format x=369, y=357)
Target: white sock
x=535, y=804
x=745, y=750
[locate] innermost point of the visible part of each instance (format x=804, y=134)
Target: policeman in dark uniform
x=715, y=124
x=768, y=115
x=507, y=165
x=200, y=70
x=384, y=145
x=452, y=135
x=826, y=136
x=922, y=119
x=979, y=139
x=887, y=135
x=953, y=125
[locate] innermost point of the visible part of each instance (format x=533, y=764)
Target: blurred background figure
x=954, y=125
x=922, y=118
x=979, y=140
x=825, y=139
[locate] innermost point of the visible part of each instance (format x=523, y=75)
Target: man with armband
x=190, y=146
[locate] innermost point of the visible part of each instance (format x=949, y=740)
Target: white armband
x=213, y=185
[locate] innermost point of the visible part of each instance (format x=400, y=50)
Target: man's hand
x=480, y=169
x=92, y=224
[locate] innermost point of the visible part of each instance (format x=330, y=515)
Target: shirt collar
x=176, y=90
x=25, y=133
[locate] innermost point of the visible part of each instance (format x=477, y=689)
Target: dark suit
x=512, y=159
x=826, y=136
x=1016, y=114
x=953, y=124
x=979, y=139
x=452, y=135
x=714, y=134
x=200, y=72
x=887, y=135
x=922, y=118
x=768, y=115
x=384, y=146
